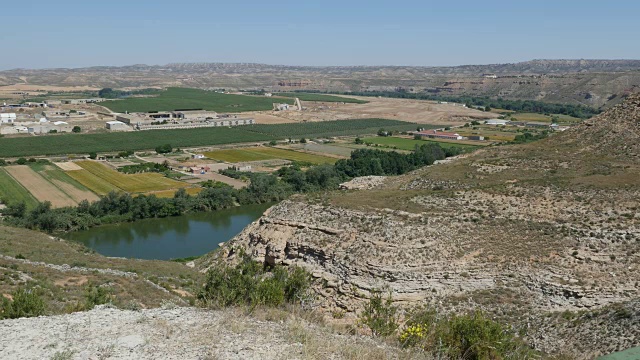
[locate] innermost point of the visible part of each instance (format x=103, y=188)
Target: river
x=169, y=238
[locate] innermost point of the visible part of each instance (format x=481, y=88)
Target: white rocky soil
x=177, y=333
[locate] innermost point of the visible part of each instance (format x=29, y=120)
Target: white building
x=9, y=118
x=117, y=126
x=496, y=122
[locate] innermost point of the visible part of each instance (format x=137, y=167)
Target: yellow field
x=267, y=153
x=101, y=179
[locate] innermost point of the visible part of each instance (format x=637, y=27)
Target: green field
x=192, y=99
x=12, y=192
x=102, y=179
x=410, y=144
x=321, y=97
x=267, y=153
x=143, y=140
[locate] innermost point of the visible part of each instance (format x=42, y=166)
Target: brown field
x=419, y=111
x=74, y=193
x=39, y=187
x=68, y=166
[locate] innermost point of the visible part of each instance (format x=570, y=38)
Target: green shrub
x=471, y=336
x=25, y=303
x=250, y=283
x=380, y=315
x=96, y=295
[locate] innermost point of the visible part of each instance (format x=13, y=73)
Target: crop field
x=192, y=99
x=321, y=97
x=333, y=128
x=333, y=149
x=41, y=188
x=73, y=189
x=102, y=179
x=410, y=144
x=143, y=140
x=12, y=192
x=267, y=153
x=139, y=140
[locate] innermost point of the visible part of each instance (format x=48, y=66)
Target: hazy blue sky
x=45, y=34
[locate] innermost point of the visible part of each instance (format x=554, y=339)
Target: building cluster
x=529, y=124
x=435, y=134
x=174, y=120
x=10, y=125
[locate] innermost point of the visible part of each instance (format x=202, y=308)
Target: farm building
x=9, y=130
x=197, y=156
x=82, y=101
x=195, y=115
x=117, y=126
x=536, y=125
x=434, y=134
x=124, y=118
x=53, y=102
x=242, y=167
x=7, y=118
x=496, y=122
x=199, y=169
x=46, y=127
x=476, y=137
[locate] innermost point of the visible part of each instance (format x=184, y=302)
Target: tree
x=303, y=141
x=21, y=161
x=487, y=108
x=164, y=149
x=359, y=141
x=381, y=132
x=93, y=155
x=76, y=129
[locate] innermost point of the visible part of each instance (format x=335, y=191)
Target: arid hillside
x=544, y=236
x=576, y=82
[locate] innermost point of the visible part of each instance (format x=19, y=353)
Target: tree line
x=263, y=188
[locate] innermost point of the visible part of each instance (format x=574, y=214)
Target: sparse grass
x=267, y=153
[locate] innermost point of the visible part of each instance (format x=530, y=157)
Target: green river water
x=169, y=238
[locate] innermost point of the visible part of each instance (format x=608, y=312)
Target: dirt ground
x=419, y=111
x=68, y=166
x=59, y=194
x=8, y=90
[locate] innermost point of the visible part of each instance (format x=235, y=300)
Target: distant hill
x=588, y=82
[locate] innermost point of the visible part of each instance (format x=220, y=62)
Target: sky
x=70, y=33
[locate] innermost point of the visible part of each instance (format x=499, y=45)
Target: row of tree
x=263, y=188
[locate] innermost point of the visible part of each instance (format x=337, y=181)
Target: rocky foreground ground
x=181, y=333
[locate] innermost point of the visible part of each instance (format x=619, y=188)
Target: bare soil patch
x=72, y=280
x=68, y=166
x=419, y=111
x=40, y=188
